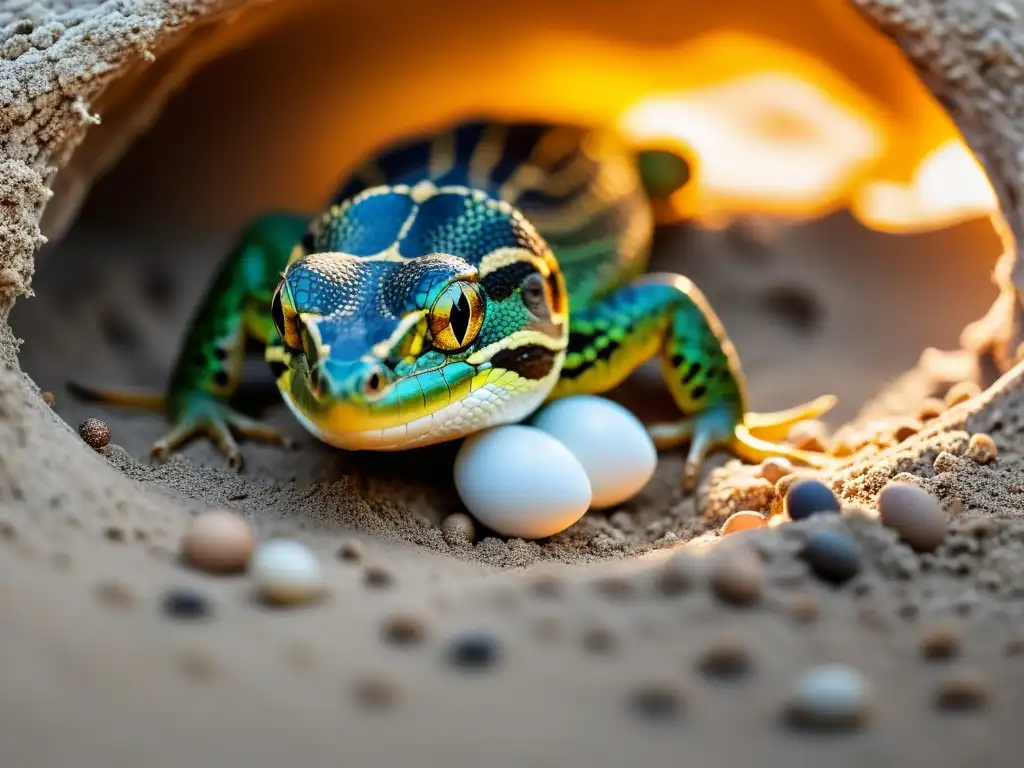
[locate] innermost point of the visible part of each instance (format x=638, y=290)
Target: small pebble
x=185, y=603
x=115, y=593
x=616, y=586
x=736, y=577
x=810, y=497
x=458, y=529
x=743, y=521
x=1014, y=646
x=940, y=644
x=930, y=409
x=830, y=697
x=95, y=433
x=286, y=572
x=678, y=575
x=404, y=630
x=961, y=392
x=377, y=577
x=218, y=541
x=833, y=556
x=872, y=618
x=962, y=690
x=597, y=639
x=809, y=436
x=474, y=651
x=906, y=428
x=945, y=462
x=656, y=702
x=350, y=552
x=981, y=448
x=725, y=661
x=775, y=468
x=914, y=514
x=804, y=609
x=908, y=611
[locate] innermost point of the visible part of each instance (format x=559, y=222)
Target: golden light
x=792, y=138
x=769, y=143
x=787, y=111
x=948, y=187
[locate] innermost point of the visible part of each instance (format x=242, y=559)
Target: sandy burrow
x=91, y=676
x=62, y=59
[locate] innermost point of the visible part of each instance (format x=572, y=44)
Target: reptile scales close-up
x=588, y=384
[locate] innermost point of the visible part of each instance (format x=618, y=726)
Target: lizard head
x=395, y=353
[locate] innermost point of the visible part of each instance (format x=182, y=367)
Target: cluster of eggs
x=535, y=480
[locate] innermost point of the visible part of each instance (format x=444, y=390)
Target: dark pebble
x=404, y=630
x=833, y=556
x=186, y=604
x=350, y=551
x=962, y=691
x=615, y=587
x=725, y=661
x=376, y=577
x=598, y=640
x=474, y=651
x=95, y=433
x=810, y=497
x=656, y=702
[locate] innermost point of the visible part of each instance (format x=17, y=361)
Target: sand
x=598, y=643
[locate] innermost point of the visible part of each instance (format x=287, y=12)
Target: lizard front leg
x=236, y=308
x=666, y=315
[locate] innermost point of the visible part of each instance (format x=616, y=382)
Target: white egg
x=611, y=443
x=286, y=571
x=520, y=481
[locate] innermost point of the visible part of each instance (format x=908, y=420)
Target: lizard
x=458, y=280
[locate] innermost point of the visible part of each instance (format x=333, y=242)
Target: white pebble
x=611, y=443
x=286, y=571
x=831, y=696
x=520, y=481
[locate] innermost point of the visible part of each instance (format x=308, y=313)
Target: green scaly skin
x=458, y=281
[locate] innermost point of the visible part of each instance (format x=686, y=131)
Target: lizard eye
x=456, y=317
x=282, y=310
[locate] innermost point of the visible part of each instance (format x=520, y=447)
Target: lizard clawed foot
x=757, y=438
x=205, y=415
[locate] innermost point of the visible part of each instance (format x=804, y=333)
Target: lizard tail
x=144, y=400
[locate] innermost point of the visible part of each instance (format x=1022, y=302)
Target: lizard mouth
x=421, y=409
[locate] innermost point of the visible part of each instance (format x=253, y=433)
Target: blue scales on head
x=391, y=287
